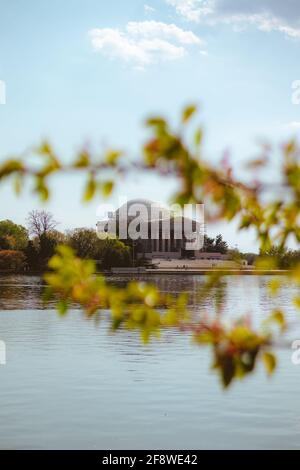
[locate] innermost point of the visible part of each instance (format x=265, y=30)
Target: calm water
x=68, y=383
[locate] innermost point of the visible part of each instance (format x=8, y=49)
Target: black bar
x=140, y=458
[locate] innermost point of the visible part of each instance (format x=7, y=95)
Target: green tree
x=12, y=236
x=4, y=243
x=209, y=244
x=114, y=253
x=215, y=245
x=40, y=250
x=12, y=261
x=84, y=242
x=108, y=252
x=32, y=256
x=220, y=245
x=45, y=238
x=46, y=245
x=283, y=257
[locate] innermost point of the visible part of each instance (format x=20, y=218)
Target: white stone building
x=155, y=232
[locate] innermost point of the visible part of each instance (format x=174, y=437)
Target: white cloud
x=266, y=15
x=192, y=10
x=148, y=9
x=294, y=125
x=151, y=29
x=143, y=43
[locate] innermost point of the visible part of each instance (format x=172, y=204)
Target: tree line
x=28, y=249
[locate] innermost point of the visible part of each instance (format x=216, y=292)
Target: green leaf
x=278, y=317
x=41, y=188
x=107, y=188
x=18, y=183
x=156, y=122
x=44, y=148
x=90, y=189
x=83, y=160
x=270, y=362
x=9, y=167
x=112, y=157
x=198, y=137
x=188, y=112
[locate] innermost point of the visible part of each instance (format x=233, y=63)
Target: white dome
x=152, y=210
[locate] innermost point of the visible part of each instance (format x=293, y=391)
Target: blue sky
x=91, y=71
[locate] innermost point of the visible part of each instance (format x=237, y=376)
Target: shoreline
x=146, y=272
x=233, y=272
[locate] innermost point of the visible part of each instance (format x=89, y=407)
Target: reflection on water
x=69, y=383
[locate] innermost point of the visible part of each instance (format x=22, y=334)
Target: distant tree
x=12, y=236
x=208, y=245
x=4, y=243
x=114, y=253
x=58, y=237
x=284, y=257
x=41, y=249
x=42, y=227
x=220, y=245
x=47, y=247
x=85, y=242
x=109, y=252
x=47, y=244
x=32, y=256
x=40, y=223
x=12, y=261
x=215, y=245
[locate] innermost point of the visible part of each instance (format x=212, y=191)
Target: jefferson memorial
x=156, y=232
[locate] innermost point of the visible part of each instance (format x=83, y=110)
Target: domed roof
x=134, y=207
